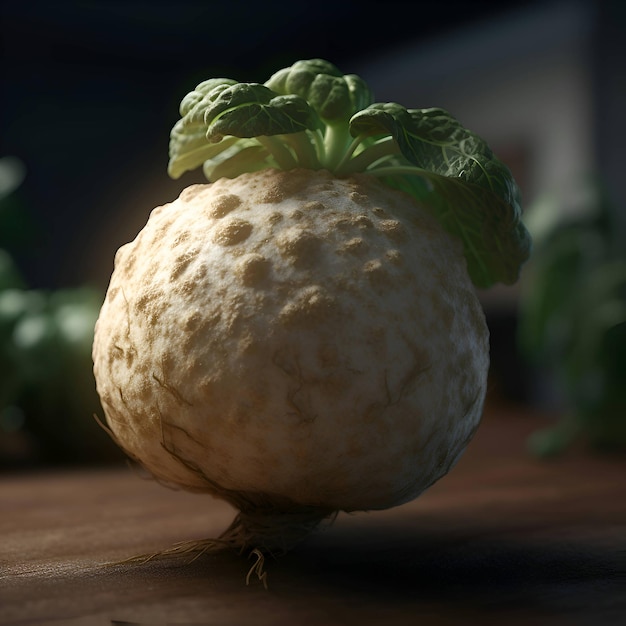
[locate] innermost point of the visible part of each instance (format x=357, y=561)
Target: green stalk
x=304, y=150
x=282, y=155
x=383, y=148
x=356, y=142
x=336, y=141
x=317, y=140
x=395, y=170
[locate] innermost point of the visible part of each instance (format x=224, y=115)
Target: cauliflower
x=302, y=335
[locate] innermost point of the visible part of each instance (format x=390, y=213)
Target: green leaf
x=195, y=102
x=12, y=174
x=433, y=140
x=548, y=307
x=219, y=111
x=10, y=277
x=495, y=241
x=189, y=149
x=458, y=177
x=253, y=110
x=243, y=156
x=334, y=96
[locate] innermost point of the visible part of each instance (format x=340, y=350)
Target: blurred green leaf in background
x=572, y=317
x=47, y=389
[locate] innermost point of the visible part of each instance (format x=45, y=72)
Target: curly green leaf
x=495, y=241
x=311, y=115
x=334, y=96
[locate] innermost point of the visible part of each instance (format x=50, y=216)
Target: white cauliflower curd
x=302, y=336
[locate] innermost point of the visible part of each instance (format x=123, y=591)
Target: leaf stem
x=356, y=142
x=317, y=139
x=304, y=149
x=282, y=155
x=336, y=140
x=383, y=148
x=396, y=170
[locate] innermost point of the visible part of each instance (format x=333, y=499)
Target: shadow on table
x=370, y=573
x=469, y=570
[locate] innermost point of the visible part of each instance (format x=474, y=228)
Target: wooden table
x=503, y=539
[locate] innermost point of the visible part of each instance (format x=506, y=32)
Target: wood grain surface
x=503, y=539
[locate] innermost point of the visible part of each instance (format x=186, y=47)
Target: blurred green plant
x=572, y=318
x=47, y=388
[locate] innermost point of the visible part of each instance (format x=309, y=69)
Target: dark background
x=90, y=91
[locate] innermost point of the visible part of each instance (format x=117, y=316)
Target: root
x=257, y=568
x=252, y=534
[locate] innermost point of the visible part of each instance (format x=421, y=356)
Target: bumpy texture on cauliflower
x=306, y=339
